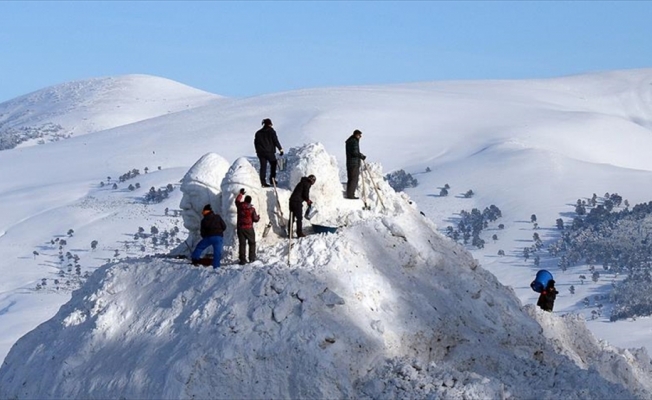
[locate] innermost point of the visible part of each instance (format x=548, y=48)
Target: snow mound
x=384, y=308
x=211, y=181
x=92, y=105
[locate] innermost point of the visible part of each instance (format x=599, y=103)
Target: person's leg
x=242, y=243
x=352, y=176
x=251, y=241
x=201, y=246
x=272, y=167
x=263, y=169
x=297, y=211
x=217, y=242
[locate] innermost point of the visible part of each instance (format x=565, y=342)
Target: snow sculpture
x=327, y=192
x=242, y=175
x=200, y=186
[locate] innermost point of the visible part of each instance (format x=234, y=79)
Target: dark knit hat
x=267, y=121
x=357, y=132
x=208, y=207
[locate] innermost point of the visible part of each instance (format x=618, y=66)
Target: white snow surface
x=385, y=307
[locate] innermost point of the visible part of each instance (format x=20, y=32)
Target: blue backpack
x=541, y=281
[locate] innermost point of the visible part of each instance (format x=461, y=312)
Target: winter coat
x=547, y=299
x=246, y=213
x=212, y=225
x=353, y=155
x=266, y=141
x=301, y=191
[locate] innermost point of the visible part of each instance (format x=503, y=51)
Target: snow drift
x=384, y=308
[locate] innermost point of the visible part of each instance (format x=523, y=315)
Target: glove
x=280, y=152
x=363, y=157
x=242, y=191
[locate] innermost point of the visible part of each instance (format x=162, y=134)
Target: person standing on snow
x=548, y=296
x=266, y=142
x=300, y=194
x=353, y=157
x=247, y=216
x=212, y=233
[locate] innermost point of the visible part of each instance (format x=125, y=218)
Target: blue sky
x=240, y=49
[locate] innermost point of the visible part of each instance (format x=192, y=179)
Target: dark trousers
x=265, y=158
x=297, y=214
x=247, y=236
x=352, y=177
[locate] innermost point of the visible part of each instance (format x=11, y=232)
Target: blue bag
x=541, y=281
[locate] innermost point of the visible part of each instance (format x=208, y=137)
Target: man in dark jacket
x=548, y=296
x=266, y=142
x=300, y=194
x=353, y=157
x=247, y=216
x=212, y=233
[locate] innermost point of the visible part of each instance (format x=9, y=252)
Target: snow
x=385, y=307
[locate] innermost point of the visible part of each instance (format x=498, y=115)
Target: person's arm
x=254, y=215
x=238, y=198
x=257, y=143
x=202, y=228
x=277, y=143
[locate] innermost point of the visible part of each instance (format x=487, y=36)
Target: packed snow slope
x=384, y=308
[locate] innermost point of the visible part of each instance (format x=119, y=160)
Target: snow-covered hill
x=385, y=308
x=529, y=147
x=81, y=107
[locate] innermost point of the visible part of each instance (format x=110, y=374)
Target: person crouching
x=212, y=233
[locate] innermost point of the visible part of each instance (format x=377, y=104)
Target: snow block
x=541, y=280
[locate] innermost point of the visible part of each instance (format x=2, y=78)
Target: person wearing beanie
x=353, y=157
x=247, y=216
x=266, y=142
x=212, y=233
x=300, y=194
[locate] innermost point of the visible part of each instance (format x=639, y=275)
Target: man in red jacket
x=246, y=235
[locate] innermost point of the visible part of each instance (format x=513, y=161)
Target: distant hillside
x=86, y=106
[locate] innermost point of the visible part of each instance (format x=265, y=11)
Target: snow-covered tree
x=400, y=180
